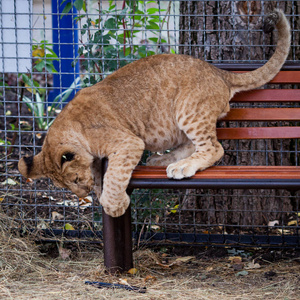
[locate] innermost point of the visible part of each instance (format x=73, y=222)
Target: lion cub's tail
x=262, y=75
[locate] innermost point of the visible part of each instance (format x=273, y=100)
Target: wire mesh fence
x=51, y=49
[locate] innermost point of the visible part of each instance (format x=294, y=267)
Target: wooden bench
x=117, y=231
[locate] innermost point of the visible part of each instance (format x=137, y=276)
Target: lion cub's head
x=64, y=160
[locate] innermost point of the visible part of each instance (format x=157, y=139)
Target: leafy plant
x=113, y=38
x=161, y=204
x=44, y=116
x=3, y=142
x=44, y=57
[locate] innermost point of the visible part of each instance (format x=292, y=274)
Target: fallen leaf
x=85, y=202
x=283, y=231
x=184, y=259
x=87, y=199
x=68, y=226
x=56, y=215
x=163, y=265
x=123, y=281
x=177, y=261
x=29, y=180
x=155, y=227
x=68, y=203
x=242, y=273
x=273, y=223
x=1, y=199
x=133, y=271
x=150, y=278
x=157, y=219
x=238, y=267
x=48, y=197
x=293, y=223
x=174, y=209
x=253, y=265
x=42, y=225
x=9, y=181
x=235, y=259
x=64, y=253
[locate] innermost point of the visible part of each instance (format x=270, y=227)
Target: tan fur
x=157, y=103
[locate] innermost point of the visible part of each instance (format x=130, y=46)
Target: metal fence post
x=117, y=239
x=65, y=45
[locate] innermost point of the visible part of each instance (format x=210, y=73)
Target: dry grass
x=27, y=274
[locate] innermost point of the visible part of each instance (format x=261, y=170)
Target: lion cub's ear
x=66, y=157
x=32, y=166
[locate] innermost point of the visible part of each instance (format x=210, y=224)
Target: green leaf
x=40, y=105
x=153, y=39
x=84, y=6
x=66, y=9
x=27, y=80
x=111, y=24
x=152, y=10
x=78, y=4
x=127, y=51
x=40, y=66
x=152, y=25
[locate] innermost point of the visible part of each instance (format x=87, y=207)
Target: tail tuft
x=254, y=79
x=270, y=22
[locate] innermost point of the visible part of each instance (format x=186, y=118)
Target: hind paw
x=181, y=169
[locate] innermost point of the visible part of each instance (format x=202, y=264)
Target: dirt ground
x=59, y=271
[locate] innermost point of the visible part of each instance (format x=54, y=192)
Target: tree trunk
x=222, y=32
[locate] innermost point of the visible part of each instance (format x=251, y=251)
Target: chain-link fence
x=49, y=49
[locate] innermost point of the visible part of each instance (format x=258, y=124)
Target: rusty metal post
x=117, y=240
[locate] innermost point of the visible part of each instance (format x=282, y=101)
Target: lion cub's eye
x=67, y=157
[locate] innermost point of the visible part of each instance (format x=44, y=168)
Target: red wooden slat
x=284, y=77
x=250, y=133
x=225, y=172
x=263, y=114
x=287, y=77
x=268, y=95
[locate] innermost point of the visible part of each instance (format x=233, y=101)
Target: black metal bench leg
x=117, y=238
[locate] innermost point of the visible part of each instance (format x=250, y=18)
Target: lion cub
x=156, y=103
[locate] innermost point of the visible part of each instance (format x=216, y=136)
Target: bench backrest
x=266, y=114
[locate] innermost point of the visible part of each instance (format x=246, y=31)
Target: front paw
x=181, y=169
x=115, y=207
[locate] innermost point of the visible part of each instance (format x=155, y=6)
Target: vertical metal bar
x=117, y=239
x=65, y=45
